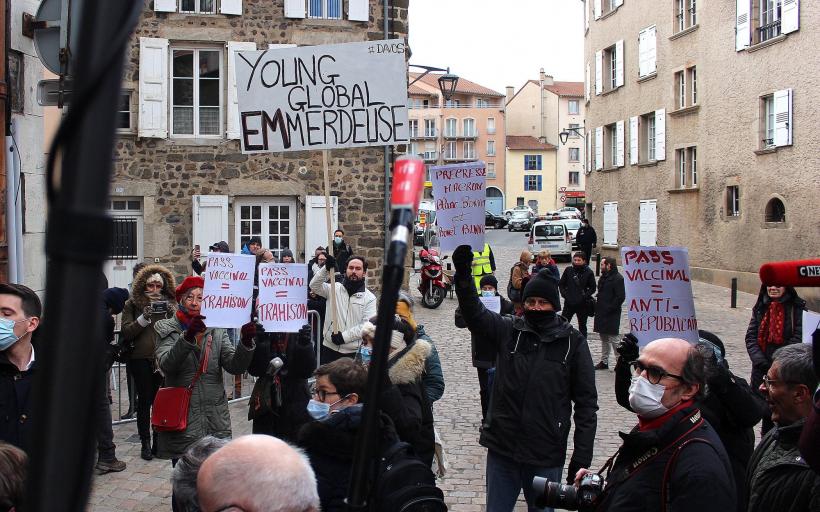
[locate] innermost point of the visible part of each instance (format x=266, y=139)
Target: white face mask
x=645, y=398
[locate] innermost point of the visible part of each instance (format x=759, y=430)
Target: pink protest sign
x=282, y=305
x=228, y=289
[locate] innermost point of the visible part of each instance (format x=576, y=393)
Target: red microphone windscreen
x=791, y=273
x=408, y=182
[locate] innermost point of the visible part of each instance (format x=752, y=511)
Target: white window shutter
x=587, y=13
x=790, y=16
x=619, y=63
x=619, y=3
x=358, y=10
x=277, y=46
x=633, y=140
x=652, y=50
x=611, y=223
x=589, y=152
x=783, y=117
x=294, y=8
x=233, y=7
x=210, y=220
x=234, y=130
x=648, y=223
x=599, y=70
x=642, y=53
x=586, y=83
x=153, y=88
x=619, y=136
x=597, y=9
x=660, y=134
x=599, y=148
x=742, y=25
x=165, y=5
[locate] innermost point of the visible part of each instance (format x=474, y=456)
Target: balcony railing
x=429, y=156
x=766, y=32
x=472, y=134
x=462, y=106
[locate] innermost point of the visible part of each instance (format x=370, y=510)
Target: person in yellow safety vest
x=483, y=264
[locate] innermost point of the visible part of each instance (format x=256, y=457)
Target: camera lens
x=554, y=494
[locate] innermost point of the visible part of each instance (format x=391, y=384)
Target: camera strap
x=666, y=493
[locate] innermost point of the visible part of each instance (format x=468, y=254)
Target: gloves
x=336, y=338
x=330, y=263
x=146, y=312
x=628, y=348
x=304, y=335
x=196, y=327
x=247, y=334
x=573, y=469
x=462, y=259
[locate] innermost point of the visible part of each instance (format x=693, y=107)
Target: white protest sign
x=282, y=303
x=492, y=303
x=659, y=293
x=811, y=322
x=323, y=97
x=459, y=194
x=228, y=292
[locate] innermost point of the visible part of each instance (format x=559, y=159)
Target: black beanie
x=489, y=279
x=115, y=299
x=543, y=287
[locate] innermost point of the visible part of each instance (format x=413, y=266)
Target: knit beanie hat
x=115, y=299
x=545, y=288
x=155, y=278
x=489, y=279
x=187, y=284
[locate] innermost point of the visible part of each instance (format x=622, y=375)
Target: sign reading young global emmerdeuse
x=322, y=97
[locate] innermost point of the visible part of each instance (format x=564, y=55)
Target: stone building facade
x=701, y=125
x=180, y=178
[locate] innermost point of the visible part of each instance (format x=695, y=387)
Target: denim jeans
x=506, y=478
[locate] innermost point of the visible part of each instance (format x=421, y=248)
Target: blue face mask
x=7, y=336
x=320, y=410
x=364, y=354
x=337, y=239
x=487, y=293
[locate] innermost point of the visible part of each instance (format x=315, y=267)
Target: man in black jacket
x=586, y=238
x=607, y=321
x=577, y=286
x=341, y=250
x=543, y=367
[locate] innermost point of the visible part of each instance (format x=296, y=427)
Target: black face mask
x=538, y=318
x=353, y=286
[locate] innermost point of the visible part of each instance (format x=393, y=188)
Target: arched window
x=775, y=211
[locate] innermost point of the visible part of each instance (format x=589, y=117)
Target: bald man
x=257, y=473
x=672, y=455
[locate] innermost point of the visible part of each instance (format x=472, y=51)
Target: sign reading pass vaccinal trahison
x=460, y=197
x=659, y=293
x=226, y=299
x=282, y=296
x=322, y=97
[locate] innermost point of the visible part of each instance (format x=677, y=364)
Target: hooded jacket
x=16, y=400
x=611, y=296
x=352, y=312
x=144, y=337
x=793, y=307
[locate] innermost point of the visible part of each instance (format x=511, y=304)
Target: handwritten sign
x=492, y=303
x=659, y=293
x=226, y=299
x=323, y=97
x=459, y=197
x=282, y=303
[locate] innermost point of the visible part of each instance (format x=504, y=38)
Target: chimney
x=546, y=79
x=510, y=92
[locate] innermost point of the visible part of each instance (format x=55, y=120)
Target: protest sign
x=659, y=293
x=226, y=299
x=282, y=303
x=492, y=303
x=811, y=322
x=322, y=97
x=459, y=197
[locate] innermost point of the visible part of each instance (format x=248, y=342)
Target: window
x=273, y=220
x=685, y=14
x=490, y=148
x=413, y=124
x=607, y=6
x=733, y=201
x=469, y=150
x=469, y=128
x=612, y=146
x=198, y=6
x=680, y=80
x=413, y=148
x=532, y=162
x=693, y=165
x=532, y=183
x=450, y=127
x=418, y=103
x=574, y=178
x=612, y=57
x=682, y=167
x=430, y=152
x=775, y=211
x=574, y=154
x=429, y=127
x=647, y=51
x=519, y=201
x=16, y=78
x=481, y=103
x=450, y=151
x=490, y=126
x=686, y=92
x=693, y=84
x=609, y=69
x=124, y=119
x=325, y=9
x=574, y=130
x=491, y=169
x=776, y=119
x=196, y=92
x=650, y=137
x=453, y=103
x=573, y=107
x=768, y=121
x=769, y=20
x=648, y=134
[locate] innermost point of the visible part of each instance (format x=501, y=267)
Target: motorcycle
x=434, y=282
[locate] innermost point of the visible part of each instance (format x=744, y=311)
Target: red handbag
x=170, y=410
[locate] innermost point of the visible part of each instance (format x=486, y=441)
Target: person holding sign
x=355, y=304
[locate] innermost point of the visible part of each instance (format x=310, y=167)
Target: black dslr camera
x=159, y=307
x=557, y=495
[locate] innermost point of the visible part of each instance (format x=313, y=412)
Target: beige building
x=702, y=130
x=530, y=173
x=542, y=109
x=468, y=127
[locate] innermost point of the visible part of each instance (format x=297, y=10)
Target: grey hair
x=795, y=365
x=696, y=371
x=406, y=297
x=183, y=477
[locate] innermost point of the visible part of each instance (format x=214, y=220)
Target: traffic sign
x=48, y=93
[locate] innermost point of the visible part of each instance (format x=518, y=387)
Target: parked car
x=572, y=225
x=425, y=225
x=572, y=209
x=494, y=221
x=521, y=220
x=552, y=236
x=508, y=213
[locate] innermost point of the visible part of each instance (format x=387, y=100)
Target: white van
x=552, y=236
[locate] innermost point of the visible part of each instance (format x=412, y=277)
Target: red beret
x=187, y=284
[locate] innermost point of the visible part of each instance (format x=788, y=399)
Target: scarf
x=771, y=326
x=353, y=286
x=184, y=317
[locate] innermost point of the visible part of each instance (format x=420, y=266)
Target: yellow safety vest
x=481, y=262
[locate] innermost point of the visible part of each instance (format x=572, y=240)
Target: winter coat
x=700, y=479
x=329, y=444
x=540, y=374
x=352, y=311
x=576, y=291
x=551, y=267
x=586, y=237
x=433, y=378
x=779, y=479
x=144, y=338
x=16, y=401
x=342, y=252
x=299, y=362
x=519, y=275
x=793, y=307
x=178, y=360
x=611, y=296
x=483, y=351
x=406, y=400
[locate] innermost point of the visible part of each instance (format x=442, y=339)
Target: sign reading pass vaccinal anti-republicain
x=460, y=197
x=228, y=292
x=659, y=293
x=282, y=296
x=323, y=97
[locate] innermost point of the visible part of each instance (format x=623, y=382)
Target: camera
x=160, y=306
x=557, y=495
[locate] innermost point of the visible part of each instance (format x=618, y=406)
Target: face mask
x=539, y=318
x=487, y=293
x=645, y=398
x=364, y=354
x=320, y=410
x=337, y=239
x=7, y=336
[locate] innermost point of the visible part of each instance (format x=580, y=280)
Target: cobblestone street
x=145, y=485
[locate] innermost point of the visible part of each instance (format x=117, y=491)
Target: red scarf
x=647, y=424
x=184, y=317
x=771, y=326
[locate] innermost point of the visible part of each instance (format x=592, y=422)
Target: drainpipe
x=387, y=149
x=8, y=161
x=11, y=269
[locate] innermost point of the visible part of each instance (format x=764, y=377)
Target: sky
x=497, y=43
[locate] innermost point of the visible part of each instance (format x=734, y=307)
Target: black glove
x=628, y=348
x=573, y=469
x=196, y=327
x=337, y=338
x=304, y=335
x=463, y=259
x=247, y=333
x=330, y=263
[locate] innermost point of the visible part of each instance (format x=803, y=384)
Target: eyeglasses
x=768, y=381
x=653, y=373
x=532, y=302
x=322, y=394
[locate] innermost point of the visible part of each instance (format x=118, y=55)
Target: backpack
x=405, y=484
x=513, y=293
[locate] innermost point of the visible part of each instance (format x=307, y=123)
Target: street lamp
x=447, y=82
x=564, y=135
